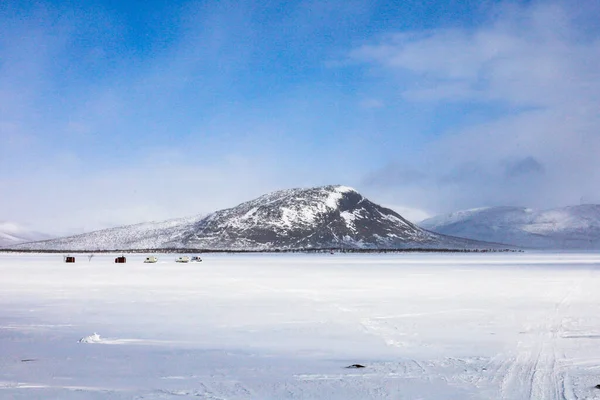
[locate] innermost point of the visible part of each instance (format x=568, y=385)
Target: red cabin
x=120, y=260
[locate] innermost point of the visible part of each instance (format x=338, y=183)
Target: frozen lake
x=425, y=326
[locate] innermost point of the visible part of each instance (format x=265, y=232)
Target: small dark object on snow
x=597, y=386
x=120, y=260
x=28, y=359
x=355, y=366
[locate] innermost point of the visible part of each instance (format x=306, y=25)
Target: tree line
x=303, y=250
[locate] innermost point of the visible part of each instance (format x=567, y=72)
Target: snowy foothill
x=289, y=326
x=12, y=233
x=573, y=227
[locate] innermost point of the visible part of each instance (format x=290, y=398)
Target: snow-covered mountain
x=12, y=234
x=322, y=217
x=574, y=227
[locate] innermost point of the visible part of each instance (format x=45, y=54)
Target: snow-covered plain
x=425, y=326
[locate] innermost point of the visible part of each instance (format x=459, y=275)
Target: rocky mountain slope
x=574, y=227
x=322, y=217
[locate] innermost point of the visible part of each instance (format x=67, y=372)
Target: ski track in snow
x=285, y=327
x=535, y=373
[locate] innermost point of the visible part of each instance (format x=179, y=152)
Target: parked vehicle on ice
x=182, y=259
x=196, y=259
x=151, y=259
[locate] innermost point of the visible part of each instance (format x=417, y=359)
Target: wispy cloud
x=199, y=106
x=164, y=185
x=533, y=68
x=100, y=128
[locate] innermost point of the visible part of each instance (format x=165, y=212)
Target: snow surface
x=436, y=326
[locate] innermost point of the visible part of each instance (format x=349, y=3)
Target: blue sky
x=118, y=112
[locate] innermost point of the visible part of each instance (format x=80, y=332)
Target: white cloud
x=63, y=201
x=535, y=61
x=414, y=215
x=372, y=103
x=84, y=147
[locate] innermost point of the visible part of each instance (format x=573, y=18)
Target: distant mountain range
x=574, y=227
x=12, y=234
x=321, y=217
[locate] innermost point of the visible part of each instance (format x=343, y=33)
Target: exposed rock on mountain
x=322, y=217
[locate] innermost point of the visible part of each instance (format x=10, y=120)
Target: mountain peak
x=331, y=216
x=339, y=188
